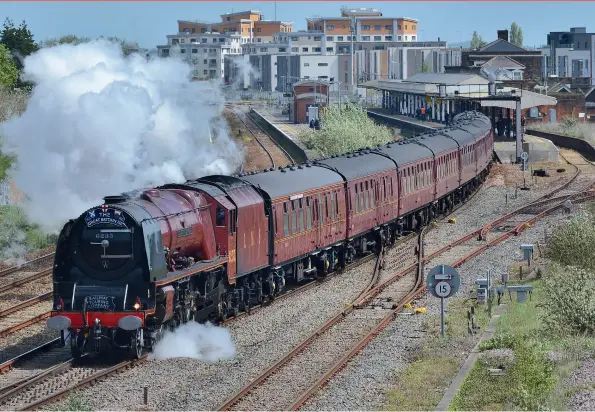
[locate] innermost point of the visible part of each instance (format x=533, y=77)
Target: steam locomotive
x=143, y=263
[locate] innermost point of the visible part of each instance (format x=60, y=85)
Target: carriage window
x=285, y=220
x=391, y=187
x=320, y=209
x=384, y=188
x=373, y=195
x=220, y=221
x=326, y=206
x=301, y=212
x=337, y=203
x=355, y=196
x=232, y=221
x=293, y=220
x=333, y=206
x=308, y=214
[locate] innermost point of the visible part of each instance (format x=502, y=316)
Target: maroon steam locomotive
x=143, y=263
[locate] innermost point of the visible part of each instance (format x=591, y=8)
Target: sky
x=149, y=22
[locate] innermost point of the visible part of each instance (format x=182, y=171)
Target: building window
x=193, y=30
x=330, y=27
x=175, y=41
x=322, y=64
x=258, y=29
x=165, y=52
x=259, y=40
x=183, y=51
x=388, y=38
x=329, y=38
x=348, y=38
x=405, y=27
x=398, y=27
x=414, y=27
x=193, y=40
x=329, y=49
x=305, y=49
x=306, y=64
x=365, y=27
x=228, y=18
x=203, y=30
x=214, y=40
x=366, y=38
x=339, y=38
x=413, y=38
x=194, y=50
x=264, y=49
x=317, y=38
x=281, y=49
x=316, y=49
x=294, y=39
x=203, y=40
x=295, y=49
x=398, y=38
x=377, y=27
x=388, y=27
x=377, y=38
x=205, y=61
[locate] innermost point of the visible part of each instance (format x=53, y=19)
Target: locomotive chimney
x=108, y=200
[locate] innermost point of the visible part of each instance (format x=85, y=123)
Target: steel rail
x=16, y=268
x=26, y=304
x=420, y=289
x=15, y=328
x=27, y=279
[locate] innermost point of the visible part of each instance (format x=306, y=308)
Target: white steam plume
x=193, y=340
x=99, y=124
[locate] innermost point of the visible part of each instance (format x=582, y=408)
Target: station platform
x=540, y=150
x=405, y=119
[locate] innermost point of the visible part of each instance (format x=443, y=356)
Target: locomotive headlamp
x=59, y=303
x=137, y=303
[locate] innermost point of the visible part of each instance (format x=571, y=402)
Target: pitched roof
x=453, y=79
x=500, y=45
x=503, y=62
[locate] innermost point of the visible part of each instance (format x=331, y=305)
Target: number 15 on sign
x=442, y=289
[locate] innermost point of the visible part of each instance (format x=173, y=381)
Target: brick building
x=308, y=93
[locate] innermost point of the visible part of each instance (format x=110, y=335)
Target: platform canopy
x=528, y=99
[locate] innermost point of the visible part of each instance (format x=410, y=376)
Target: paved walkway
x=540, y=150
x=456, y=384
x=406, y=119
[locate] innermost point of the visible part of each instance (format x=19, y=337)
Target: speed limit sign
x=442, y=289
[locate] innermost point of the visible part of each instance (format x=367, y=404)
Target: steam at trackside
x=100, y=124
x=207, y=343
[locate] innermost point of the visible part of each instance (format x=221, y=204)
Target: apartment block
x=205, y=51
x=569, y=54
x=250, y=24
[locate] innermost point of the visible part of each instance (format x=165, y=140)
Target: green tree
x=516, y=35
x=67, y=39
x=9, y=74
x=425, y=67
x=477, y=41
x=128, y=47
x=18, y=40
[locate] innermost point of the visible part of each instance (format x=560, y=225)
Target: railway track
x=364, y=301
x=275, y=153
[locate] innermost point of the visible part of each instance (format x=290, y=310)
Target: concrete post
x=519, y=136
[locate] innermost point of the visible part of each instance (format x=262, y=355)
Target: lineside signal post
x=443, y=282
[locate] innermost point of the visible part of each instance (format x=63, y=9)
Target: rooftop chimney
x=503, y=34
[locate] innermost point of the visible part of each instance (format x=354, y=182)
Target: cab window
x=220, y=219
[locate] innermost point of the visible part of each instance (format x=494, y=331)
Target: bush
x=18, y=236
x=344, y=132
x=573, y=243
x=532, y=375
x=568, y=126
x=569, y=302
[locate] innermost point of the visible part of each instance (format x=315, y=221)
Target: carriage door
x=232, y=225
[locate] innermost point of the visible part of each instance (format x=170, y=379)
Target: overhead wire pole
x=352, y=28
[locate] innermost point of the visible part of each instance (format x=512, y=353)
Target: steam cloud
x=193, y=340
x=100, y=124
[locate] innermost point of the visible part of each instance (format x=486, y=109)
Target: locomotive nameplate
x=184, y=232
x=101, y=302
